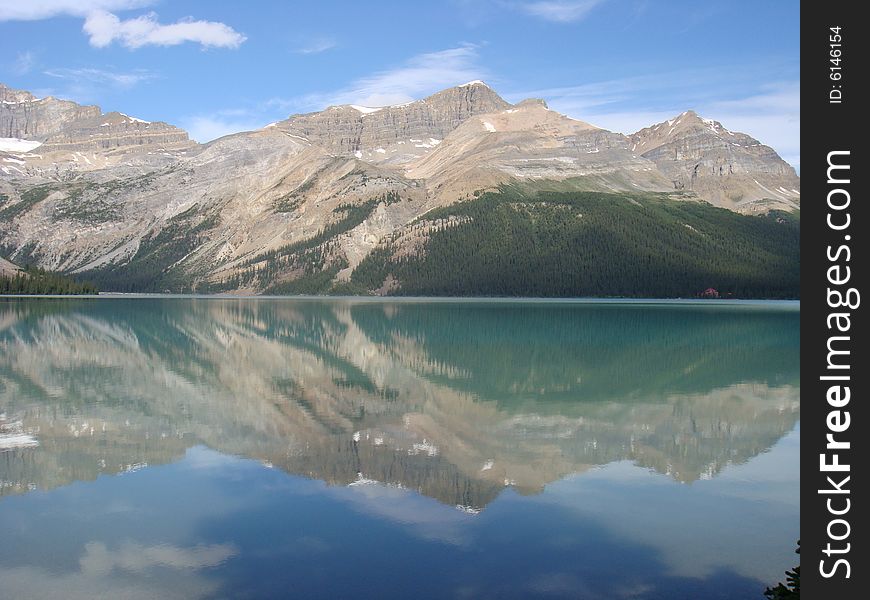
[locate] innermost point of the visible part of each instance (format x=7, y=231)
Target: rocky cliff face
x=73, y=138
x=114, y=132
x=24, y=116
x=728, y=169
x=395, y=134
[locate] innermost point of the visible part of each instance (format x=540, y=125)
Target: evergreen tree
x=792, y=588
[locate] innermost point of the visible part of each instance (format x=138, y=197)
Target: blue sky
x=219, y=67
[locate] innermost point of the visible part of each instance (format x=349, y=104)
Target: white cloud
x=317, y=45
x=100, y=76
x=103, y=28
x=169, y=572
x=204, y=128
x=34, y=10
x=99, y=560
x=560, y=11
x=421, y=75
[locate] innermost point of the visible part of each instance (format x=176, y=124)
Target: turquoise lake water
x=336, y=448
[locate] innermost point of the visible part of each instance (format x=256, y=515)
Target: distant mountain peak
x=727, y=168
x=687, y=119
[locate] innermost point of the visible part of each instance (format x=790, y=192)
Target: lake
x=335, y=448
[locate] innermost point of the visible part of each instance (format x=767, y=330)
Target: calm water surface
x=256, y=448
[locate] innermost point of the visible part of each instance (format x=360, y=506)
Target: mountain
x=299, y=205
x=728, y=169
x=72, y=138
x=394, y=134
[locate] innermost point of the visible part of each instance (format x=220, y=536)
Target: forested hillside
x=592, y=244
x=513, y=242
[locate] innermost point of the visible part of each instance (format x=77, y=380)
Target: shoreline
x=425, y=299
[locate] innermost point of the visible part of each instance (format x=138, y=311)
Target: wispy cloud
x=560, y=11
x=34, y=10
x=87, y=85
x=103, y=28
x=421, y=75
x=24, y=63
x=206, y=127
x=101, y=76
x=783, y=97
x=316, y=45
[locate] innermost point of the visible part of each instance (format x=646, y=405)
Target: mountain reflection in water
x=454, y=400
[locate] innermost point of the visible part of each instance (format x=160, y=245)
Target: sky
x=215, y=68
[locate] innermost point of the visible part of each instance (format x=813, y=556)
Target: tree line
x=32, y=280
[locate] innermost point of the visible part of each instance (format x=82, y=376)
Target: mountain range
x=356, y=199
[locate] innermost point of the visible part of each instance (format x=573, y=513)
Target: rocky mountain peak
x=724, y=167
x=395, y=134
x=460, y=102
x=681, y=124
x=12, y=96
x=692, y=119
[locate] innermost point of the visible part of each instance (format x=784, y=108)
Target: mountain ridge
x=107, y=194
